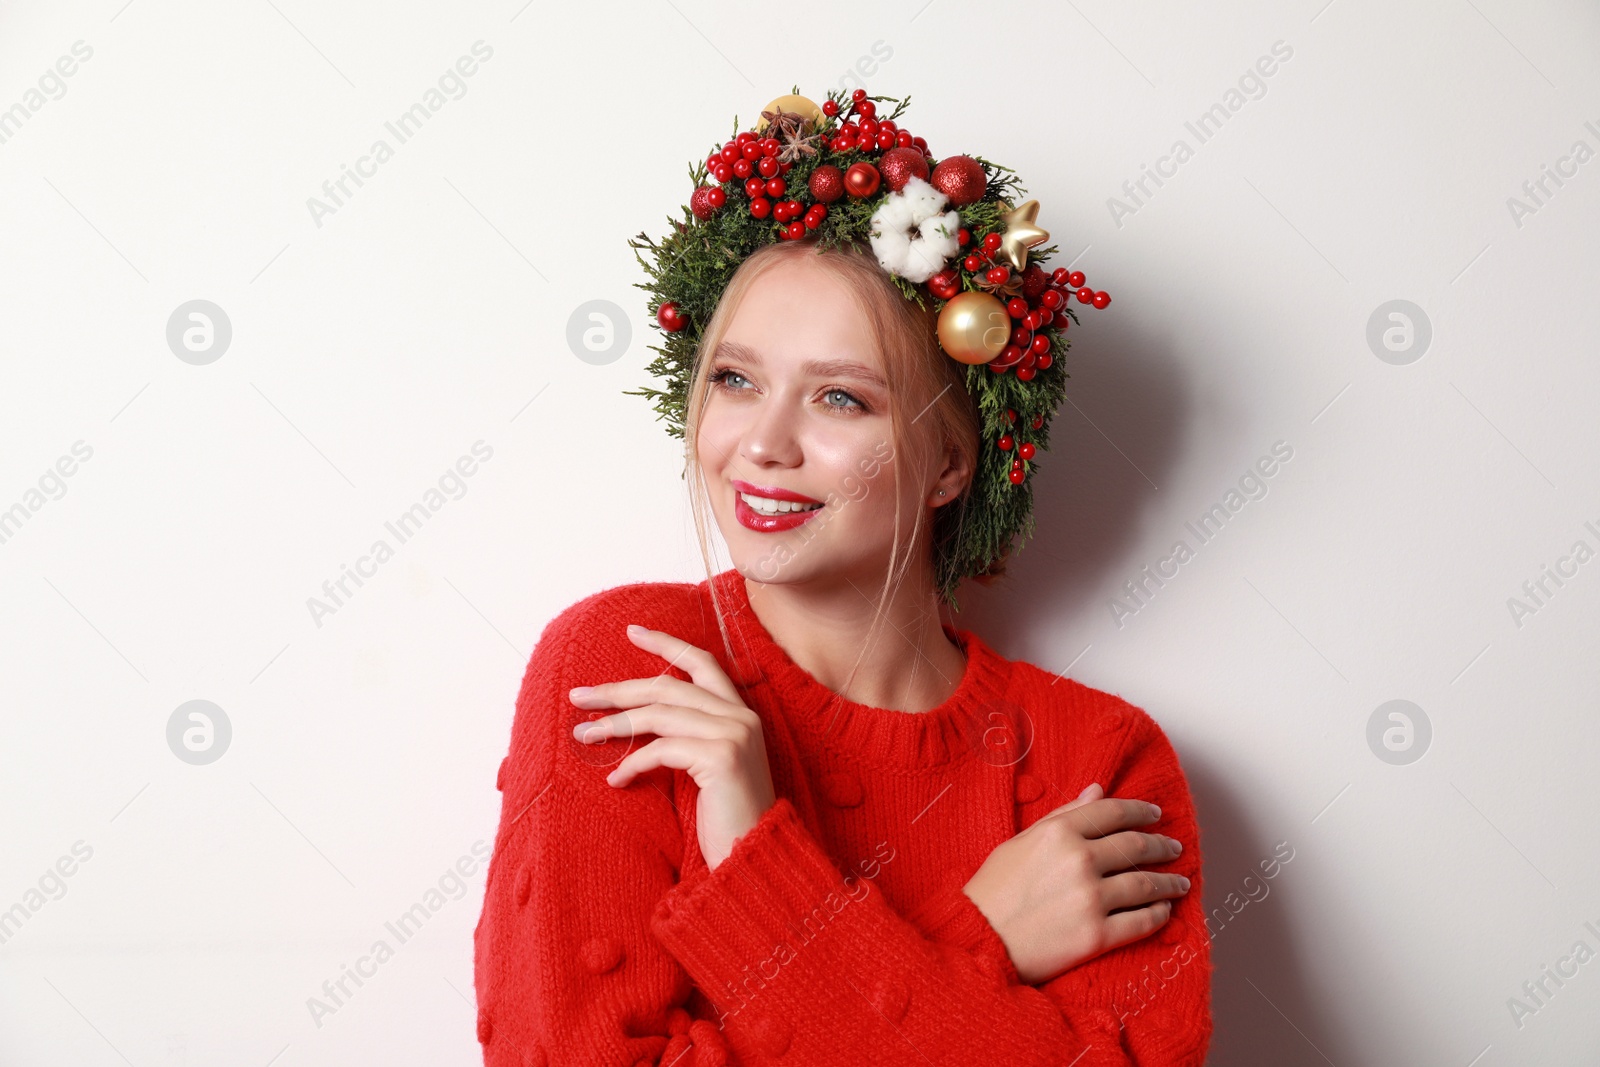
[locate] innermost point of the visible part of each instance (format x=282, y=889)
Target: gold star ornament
x=1021, y=234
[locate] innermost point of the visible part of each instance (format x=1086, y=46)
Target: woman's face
x=795, y=436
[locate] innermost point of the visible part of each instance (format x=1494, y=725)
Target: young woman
x=790, y=814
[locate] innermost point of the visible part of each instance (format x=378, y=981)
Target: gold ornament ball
x=795, y=104
x=973, y=327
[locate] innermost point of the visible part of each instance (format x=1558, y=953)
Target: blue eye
x=852, y=401
x=720, y=377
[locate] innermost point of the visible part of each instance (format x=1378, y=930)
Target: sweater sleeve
x=798, y=960
x=566, y=970
x=1157, y=990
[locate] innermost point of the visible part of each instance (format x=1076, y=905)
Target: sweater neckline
x=863, y=733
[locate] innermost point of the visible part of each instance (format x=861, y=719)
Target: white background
x=430, y=311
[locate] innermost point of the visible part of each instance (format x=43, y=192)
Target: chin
x=802, y=563
x=778, y=563
x=777, y=559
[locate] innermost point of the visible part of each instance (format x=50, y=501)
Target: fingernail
x=635, y=628
x=578, y=692
x=1155, y=810
x=1183, y=882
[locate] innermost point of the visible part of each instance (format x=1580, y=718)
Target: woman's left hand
x=701, y=726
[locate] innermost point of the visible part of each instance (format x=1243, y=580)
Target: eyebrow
x=821, y=368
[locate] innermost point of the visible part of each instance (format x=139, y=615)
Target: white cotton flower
x=912, y=234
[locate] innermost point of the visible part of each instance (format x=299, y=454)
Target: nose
x=771, y=438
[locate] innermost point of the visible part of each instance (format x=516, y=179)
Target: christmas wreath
x=948, y=231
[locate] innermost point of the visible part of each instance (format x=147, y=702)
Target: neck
x=826, y=626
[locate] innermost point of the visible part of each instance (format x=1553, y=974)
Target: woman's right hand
x=1050, y=892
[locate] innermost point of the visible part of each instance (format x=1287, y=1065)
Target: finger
x=1137, y=888
x=701, y=666
x=664, y=720
x=1092, y=791
x=1099, y=818
x=662, y=689
x=1131, y=848
x=680, y=753
x=1125, y=926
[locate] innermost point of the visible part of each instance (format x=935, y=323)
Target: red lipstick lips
x=773, y=492
x=752, y=519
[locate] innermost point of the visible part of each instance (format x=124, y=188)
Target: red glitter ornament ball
x=700, y=202
x=900, y=165
x=961, y=179
x=1034, y=280
x=827, y=183
x=861, y=180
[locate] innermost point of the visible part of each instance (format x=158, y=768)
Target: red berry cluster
x=863, y=132
x=1025, y=449
x=1034, y=313
x=750, y=162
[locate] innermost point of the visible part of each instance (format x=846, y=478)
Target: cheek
x=869, y=510
x=717, y=439
x=862, y=473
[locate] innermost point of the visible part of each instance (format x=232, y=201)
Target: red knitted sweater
x=836, y=932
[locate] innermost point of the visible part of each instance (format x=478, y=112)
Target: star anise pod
x=797, y=143
x=784, y=121
x=795, y=132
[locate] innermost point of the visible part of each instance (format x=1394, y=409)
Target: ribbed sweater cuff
x=951, y=917
x=776, y=886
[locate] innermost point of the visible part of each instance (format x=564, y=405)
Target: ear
x=952, y=479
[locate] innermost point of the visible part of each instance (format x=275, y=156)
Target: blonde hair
x=926, y=385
